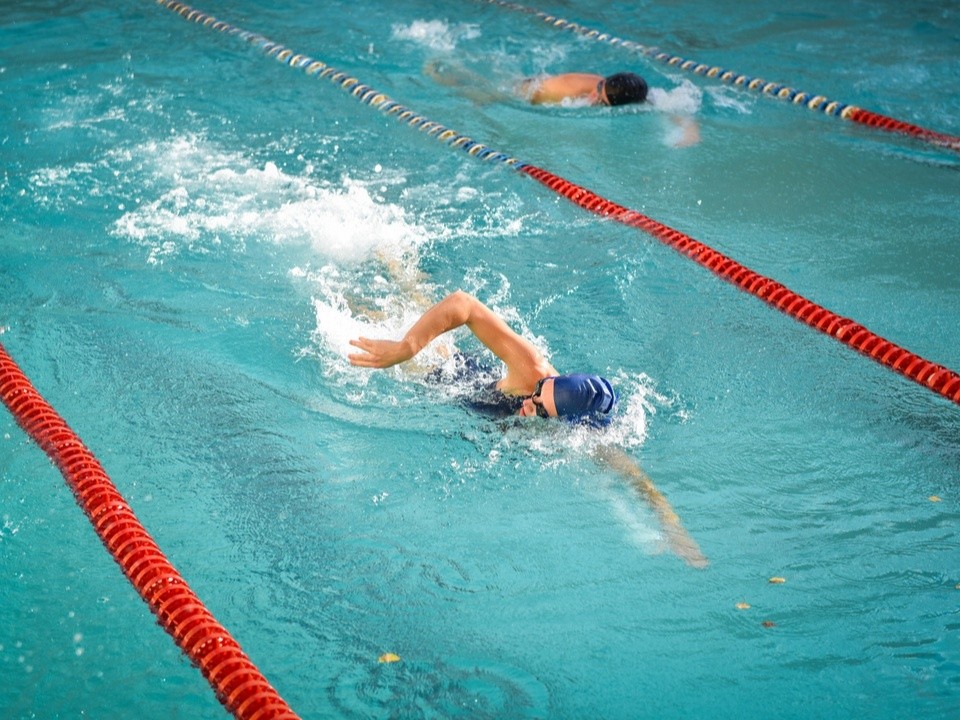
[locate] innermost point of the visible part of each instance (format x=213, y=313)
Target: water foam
x=724, y=96
x=685, y=99
x=437, y=35
x=353, y=302
x=357, y=255
x=205, y=196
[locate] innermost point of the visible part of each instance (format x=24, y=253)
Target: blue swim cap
x=584, y=397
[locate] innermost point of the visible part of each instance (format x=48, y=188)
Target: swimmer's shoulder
x=557, y=88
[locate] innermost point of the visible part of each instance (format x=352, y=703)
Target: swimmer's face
x=541, y=402
x=599, y=96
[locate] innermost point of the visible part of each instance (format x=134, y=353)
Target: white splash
x=685, y=99
x=735, y=99
x=436, y=35
x=204, y=195
x=385, y=306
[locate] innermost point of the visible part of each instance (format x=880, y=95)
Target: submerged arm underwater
x=684, y=546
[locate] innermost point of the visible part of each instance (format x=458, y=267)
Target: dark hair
x=626, y=87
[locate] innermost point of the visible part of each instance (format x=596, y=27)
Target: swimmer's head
x=578, y=398
x=623, y=88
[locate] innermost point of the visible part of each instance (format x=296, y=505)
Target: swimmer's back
x=557, y=88
x=479, y=384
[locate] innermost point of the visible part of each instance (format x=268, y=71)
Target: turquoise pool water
x=192, y=231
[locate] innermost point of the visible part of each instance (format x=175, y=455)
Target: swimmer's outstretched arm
x=467, y=83
x=689, y=131
x=677, y=538
x=525, y=364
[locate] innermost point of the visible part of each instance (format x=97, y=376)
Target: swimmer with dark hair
x=618, y=89
x=531, y=387
x=622, y=88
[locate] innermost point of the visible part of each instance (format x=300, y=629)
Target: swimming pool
x=190, y=229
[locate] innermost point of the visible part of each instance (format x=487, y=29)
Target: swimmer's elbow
x=468, y=308
x=456, y=309
x=463, y=299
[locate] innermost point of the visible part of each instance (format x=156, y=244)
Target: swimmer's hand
x=380, y=353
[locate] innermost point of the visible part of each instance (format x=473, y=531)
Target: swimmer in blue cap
x=533, y=384
x=531, y=387
x=577, y=397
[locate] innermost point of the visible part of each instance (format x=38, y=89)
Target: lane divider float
x=936, y=377
x=932, y=376
x=818, y=103
x=237, y=682
x=363, y=93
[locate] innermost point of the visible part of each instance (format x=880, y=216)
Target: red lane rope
x=238, y=683
x=935, y=377
x=930, y=375
x=882, y=122
x=814, y=102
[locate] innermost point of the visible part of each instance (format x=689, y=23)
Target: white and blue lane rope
x=364, y=93
x=815, y=102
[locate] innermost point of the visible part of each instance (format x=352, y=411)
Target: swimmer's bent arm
x=451, y=312
x=455, y=310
